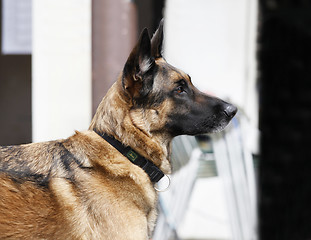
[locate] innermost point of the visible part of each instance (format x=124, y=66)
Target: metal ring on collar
x=166, y=188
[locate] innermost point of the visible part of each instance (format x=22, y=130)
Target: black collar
x=155, y=174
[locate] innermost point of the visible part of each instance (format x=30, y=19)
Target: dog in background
x=99, y=184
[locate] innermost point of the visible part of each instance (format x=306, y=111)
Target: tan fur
x=112, y=193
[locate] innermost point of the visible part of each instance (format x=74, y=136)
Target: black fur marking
x=20, y=171
x=22, y=177
x=13, y=158
x=13, y=165
x=68, y=158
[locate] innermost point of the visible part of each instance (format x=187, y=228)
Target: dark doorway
x=285, y=117
x=15, y=97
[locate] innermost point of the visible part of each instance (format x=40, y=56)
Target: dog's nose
x=230, y=110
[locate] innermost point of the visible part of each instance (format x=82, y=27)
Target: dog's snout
x=230, y=111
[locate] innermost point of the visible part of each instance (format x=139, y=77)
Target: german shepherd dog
x=85, y=187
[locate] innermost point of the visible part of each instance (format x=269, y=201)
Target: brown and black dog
x=85, y=187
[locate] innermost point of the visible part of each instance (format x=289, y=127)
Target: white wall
x=61, y=72
x=214, y=41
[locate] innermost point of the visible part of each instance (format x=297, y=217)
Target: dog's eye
x=180, y=89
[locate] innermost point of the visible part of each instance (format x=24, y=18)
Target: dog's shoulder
x=97, y=152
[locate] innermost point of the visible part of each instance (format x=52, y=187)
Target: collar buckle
x=159, y=189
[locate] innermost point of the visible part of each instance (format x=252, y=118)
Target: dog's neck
x=114, y=116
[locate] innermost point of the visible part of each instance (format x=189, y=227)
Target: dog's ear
x=137, y=65
x=156, y=41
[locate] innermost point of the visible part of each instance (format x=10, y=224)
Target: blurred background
x=251, y=181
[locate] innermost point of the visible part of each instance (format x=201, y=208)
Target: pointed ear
x=156, y=41
x=137, y=65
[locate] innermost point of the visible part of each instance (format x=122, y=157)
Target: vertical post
x=114, y=33
x=61, y=64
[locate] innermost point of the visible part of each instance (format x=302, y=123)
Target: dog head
x=163, y=97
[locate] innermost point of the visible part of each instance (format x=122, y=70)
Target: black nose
x=230, y=111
